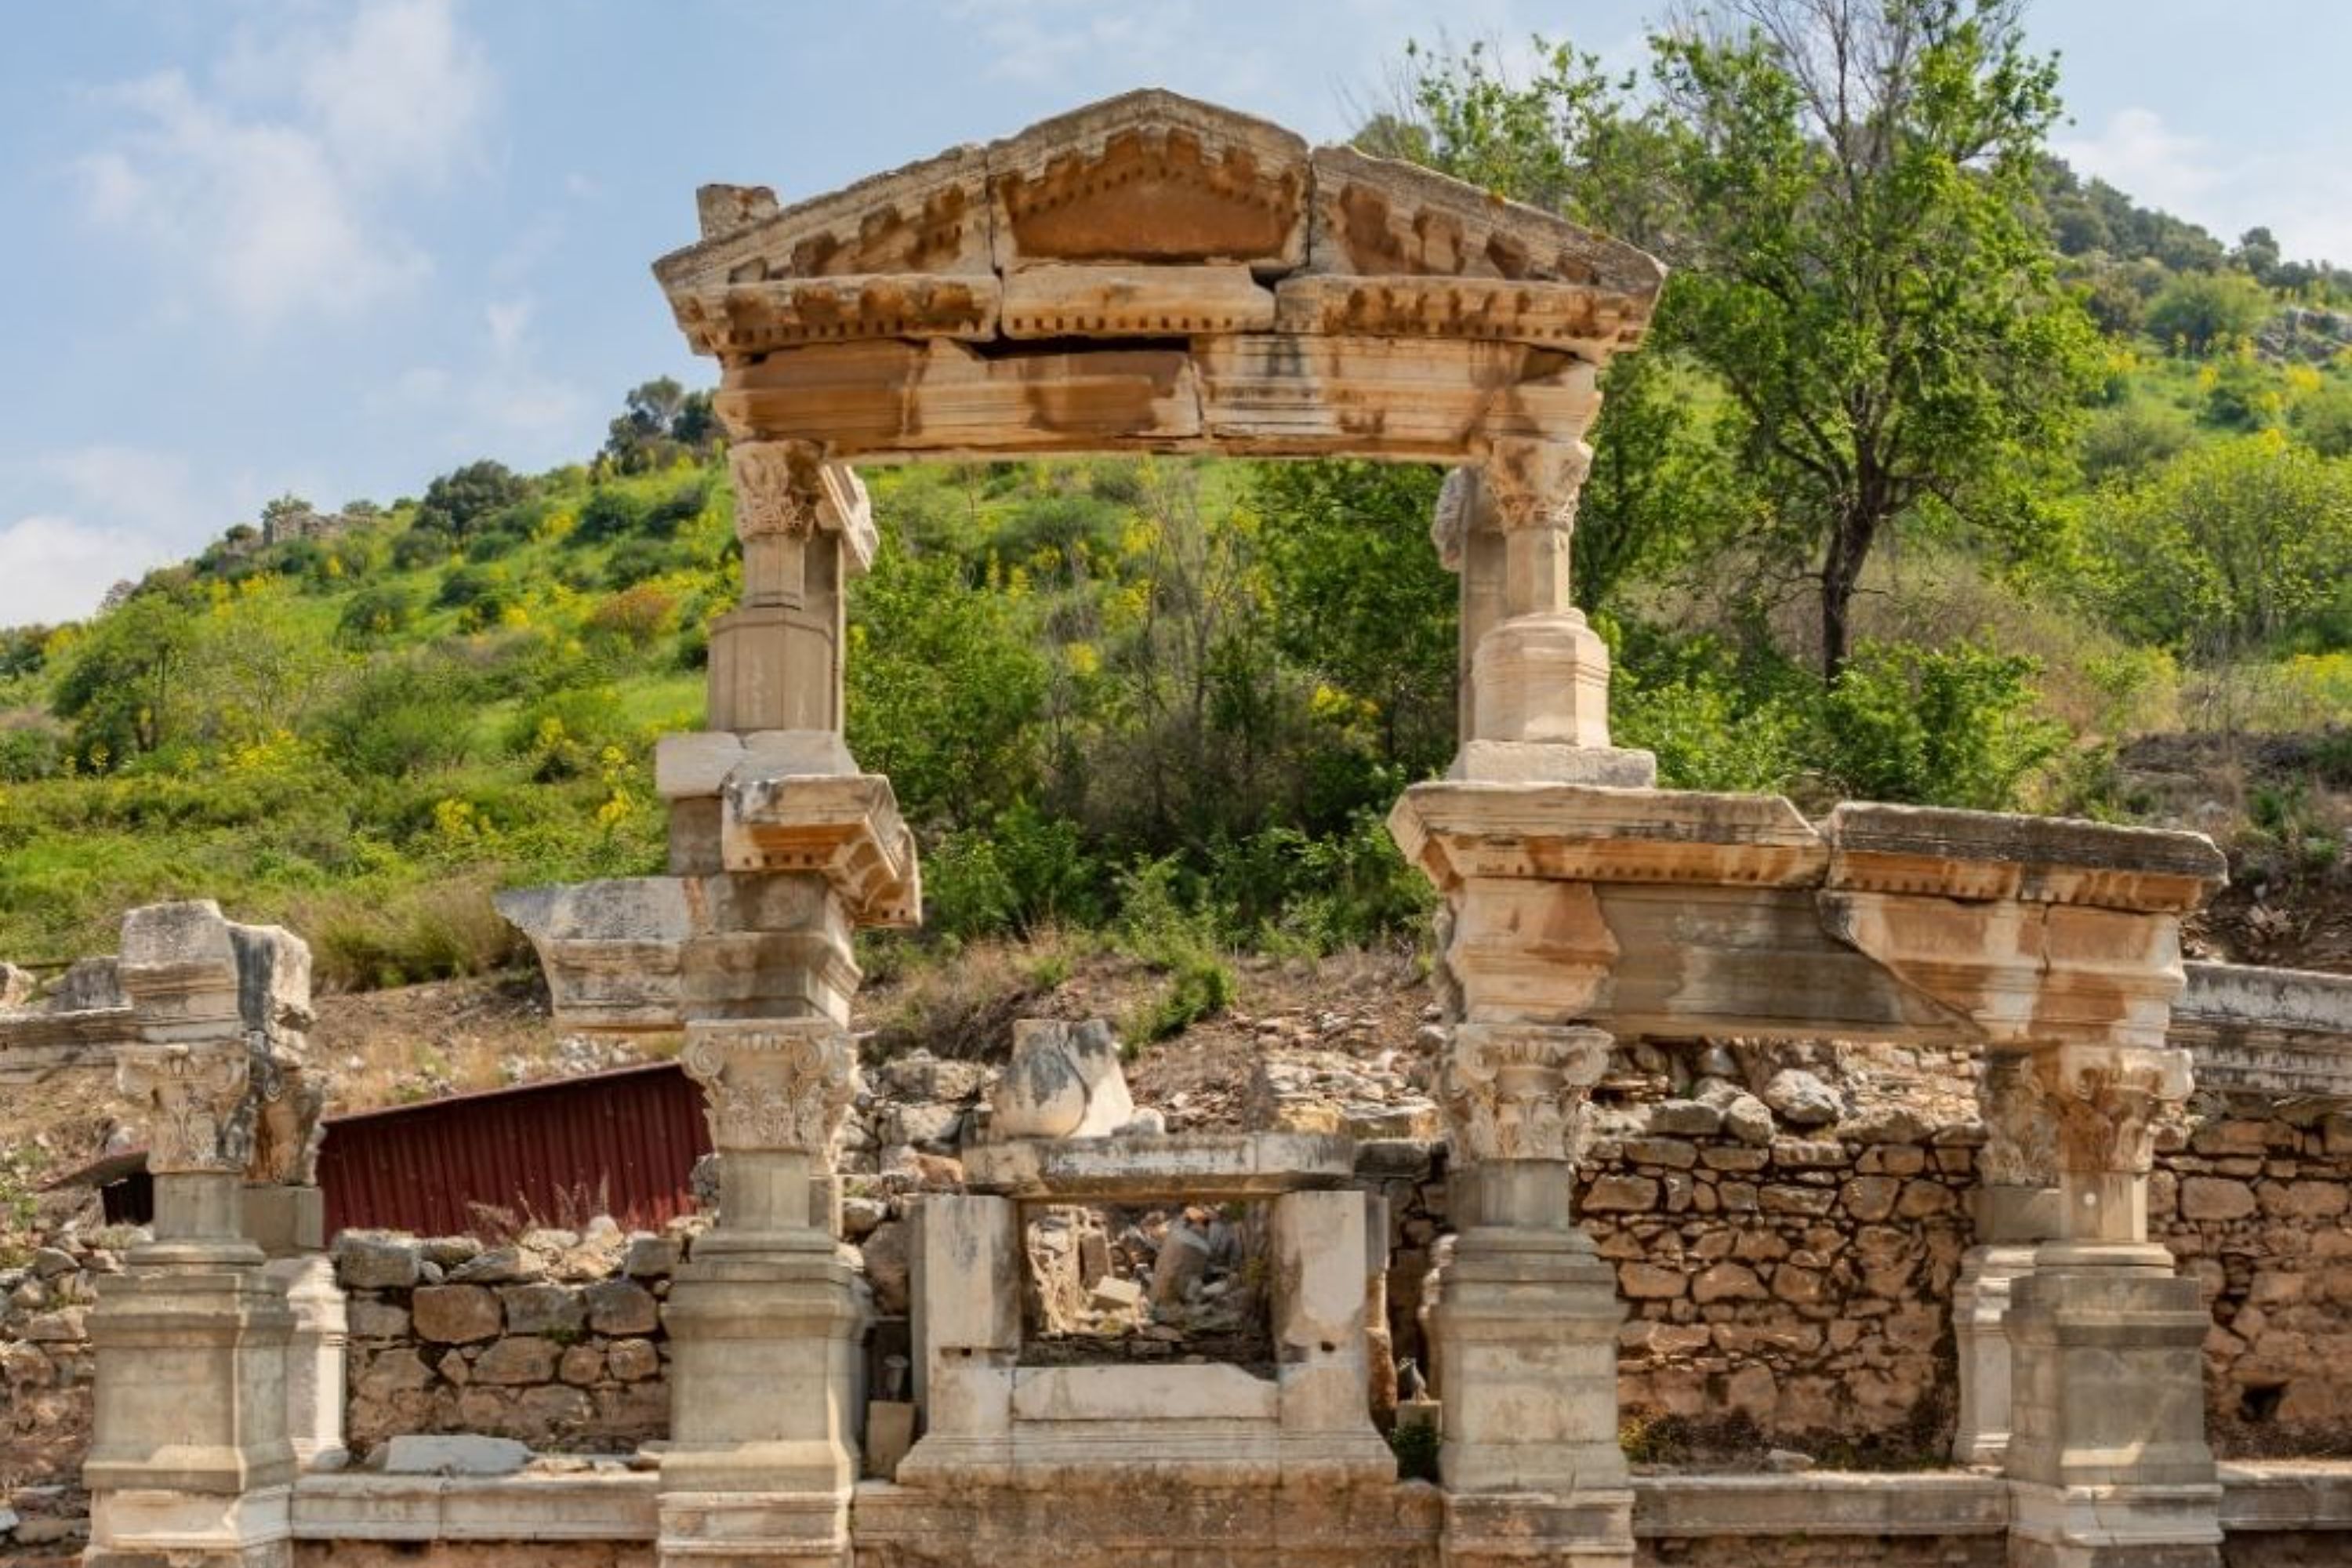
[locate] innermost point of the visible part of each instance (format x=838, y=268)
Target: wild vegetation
x=1946, y=474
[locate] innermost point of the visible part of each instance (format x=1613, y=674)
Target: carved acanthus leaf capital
x=1535, y=484
x=775, y=1084
x=2106, y=1101
x=2021, y=1146
x=1511, y=1090
x=787, y=490
x=198, y=1102
x=776, y=487
x=1449, y=527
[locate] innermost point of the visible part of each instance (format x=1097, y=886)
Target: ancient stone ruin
x=1147, y=275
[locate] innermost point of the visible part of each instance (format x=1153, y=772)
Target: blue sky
x=259, y=245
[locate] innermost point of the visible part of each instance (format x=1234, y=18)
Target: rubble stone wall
x=1788, y=1223
x=2257, y=1205
x=45, y=1367
x=555, y=1341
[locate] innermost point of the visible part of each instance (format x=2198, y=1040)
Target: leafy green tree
x=660, y=421
x=1865, y=270
x=122, y=679
x=945, y=688
x=459, y=504
x=1360, y=596
x=2126, y=441
x=2203, y=312
x=2232, y=547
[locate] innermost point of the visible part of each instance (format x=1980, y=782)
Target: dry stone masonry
x=1657, y=1200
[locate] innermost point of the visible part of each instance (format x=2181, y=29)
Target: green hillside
x=1172, y=699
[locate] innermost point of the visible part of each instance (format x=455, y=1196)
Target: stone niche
x=1267, y=1456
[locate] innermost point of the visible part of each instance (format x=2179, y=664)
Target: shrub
x=480, y=595
x=459, y=504
x=1927, y=727
x=611, y=513
x=376, y=613
x=400, y=718
x=637, y=617
x=2126, y=441
x=2200, y=311
x=31, y=750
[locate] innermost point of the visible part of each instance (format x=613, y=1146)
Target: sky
x=337, y=247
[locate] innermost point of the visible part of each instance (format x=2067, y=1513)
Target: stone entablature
x=1149, y=217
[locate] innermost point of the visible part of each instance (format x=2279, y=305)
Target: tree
x=660, y=421
x=121, y=679
x=459, y=504
x=2232, y=547
x=2202, y=312
x=1866, y=269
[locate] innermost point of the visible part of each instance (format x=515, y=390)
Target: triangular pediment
x=1150, y=215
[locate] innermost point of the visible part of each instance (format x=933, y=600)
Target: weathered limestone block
x=1064, y=1081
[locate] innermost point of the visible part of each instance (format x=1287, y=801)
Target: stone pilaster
x=806, y=527
x=1526, y=1316
x=2107, y=1452
x=1536, y=676
x=764, y=1318
x=2016, y=1209
x=189, y=1454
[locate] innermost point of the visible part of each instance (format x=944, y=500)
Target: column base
x=1981, y=1304
x=752, y=1530
x=140, y=1528
x=1552, y=762
x=1592, y=1529
x=2114, y=1527
x=1526, y=1346
x=190, y=1397
x=2107, y=1372
x=764, y=1379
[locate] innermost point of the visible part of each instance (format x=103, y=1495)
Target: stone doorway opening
x=1181, y=1284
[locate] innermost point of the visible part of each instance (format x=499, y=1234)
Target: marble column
x=1535, y=696
x=189, y=1456
x=2107, y=1455
x=1526, y=1315
x=2016, y=1210
x=765, y=1315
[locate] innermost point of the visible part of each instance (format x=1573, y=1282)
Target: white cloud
x=126, y=510
x=509, y=392
x=2302, y=196
x=275, y=185
x=2138, y=155
x=57, y=568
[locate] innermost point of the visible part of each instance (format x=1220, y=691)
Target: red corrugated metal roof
x=627, y=1138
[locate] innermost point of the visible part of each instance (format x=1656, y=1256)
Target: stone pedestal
x=2017, y=1209
x=765, y=1317
x=2107, y=1460
x=2107, y=1455
x=189, y=1454
x=1526, y=1316
x=316, y=1372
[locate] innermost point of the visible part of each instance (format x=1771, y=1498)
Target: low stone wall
x=555, y=1341
x=2258, y=1208
x=45, y=1356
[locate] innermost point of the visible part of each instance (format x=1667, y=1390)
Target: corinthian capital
x=198, y=1100
x=773, y=1084
x=2106, y=1098
x=1511, y=1090
x=1535, y=484
x=785, y=490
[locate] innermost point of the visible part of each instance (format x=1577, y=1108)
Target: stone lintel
x=2256, y=1030
x=1205, y=1167
x=1457, y=831
x=1978, y=855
